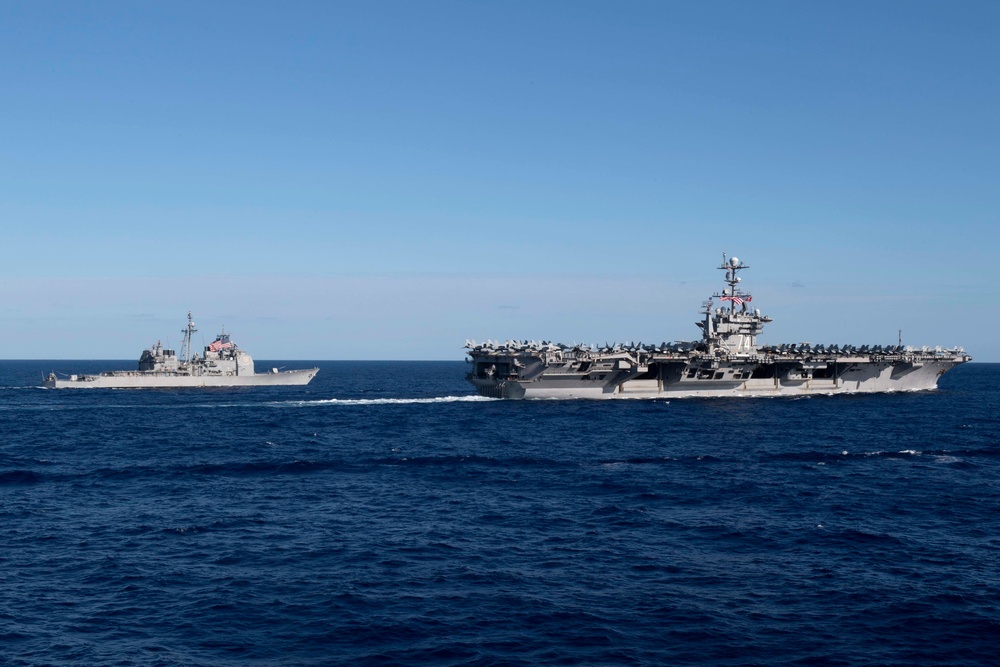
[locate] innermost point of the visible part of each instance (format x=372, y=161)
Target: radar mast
x=733, y=294
x=186, y=345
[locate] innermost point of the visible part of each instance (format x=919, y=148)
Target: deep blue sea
x=384, y=515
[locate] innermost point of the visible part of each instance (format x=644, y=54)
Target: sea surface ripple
x=385, y=515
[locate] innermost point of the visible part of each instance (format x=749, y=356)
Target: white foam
x=249, y=404
x=391, y=401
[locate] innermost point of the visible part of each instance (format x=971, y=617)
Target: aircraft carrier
x=726, y=361
x=221, y=364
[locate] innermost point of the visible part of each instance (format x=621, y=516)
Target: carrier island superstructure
x=726, y=361
x=221, y=364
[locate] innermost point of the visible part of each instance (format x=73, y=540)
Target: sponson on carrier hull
x=221, y=364
x=726, y=361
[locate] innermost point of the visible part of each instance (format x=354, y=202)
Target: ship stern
x=496, y=388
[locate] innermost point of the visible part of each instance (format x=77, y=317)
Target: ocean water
x=385, y=515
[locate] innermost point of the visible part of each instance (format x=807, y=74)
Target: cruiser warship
x=221, y=364
x=726, y=361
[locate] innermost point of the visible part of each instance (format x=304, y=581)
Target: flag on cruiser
x=220, y=344
x=738, y=300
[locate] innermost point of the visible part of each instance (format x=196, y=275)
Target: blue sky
x=382, y=180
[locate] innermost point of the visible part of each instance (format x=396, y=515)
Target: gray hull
x=863, y=378
x=154, y=380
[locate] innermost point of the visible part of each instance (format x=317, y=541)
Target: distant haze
x=426, y=316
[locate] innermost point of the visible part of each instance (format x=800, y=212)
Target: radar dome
x=734, y=261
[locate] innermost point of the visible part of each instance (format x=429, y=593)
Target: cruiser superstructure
x=726, y=361
x=221, y=364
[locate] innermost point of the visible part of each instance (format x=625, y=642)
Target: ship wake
x=389, y=401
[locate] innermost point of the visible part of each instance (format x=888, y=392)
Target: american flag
x=738, y=300
x=219, y=344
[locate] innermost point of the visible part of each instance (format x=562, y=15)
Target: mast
x=186, y=345
x=733, y=295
